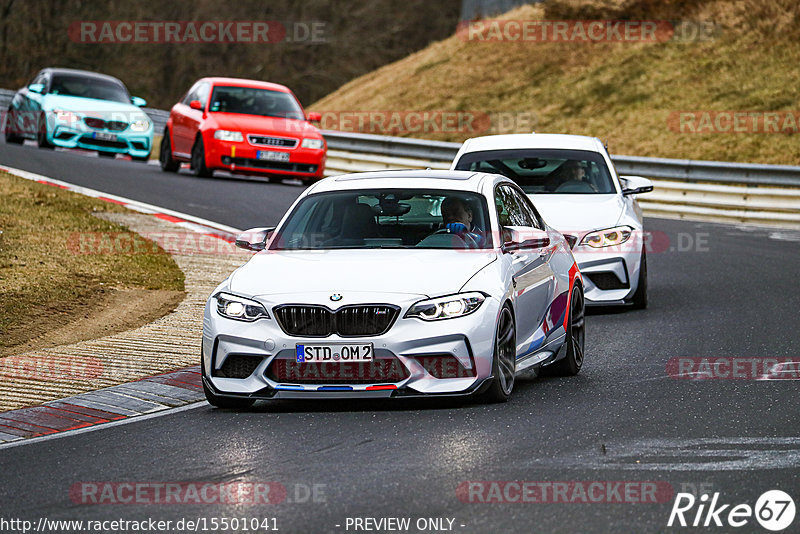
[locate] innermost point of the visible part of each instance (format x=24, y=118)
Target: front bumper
x=421, y=350
x=78, y=135
x=610, y=277
x=303, y=163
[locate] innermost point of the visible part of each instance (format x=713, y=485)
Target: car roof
x=79, y=72
x=244, y=82
x=532, y=140
x=410, y=179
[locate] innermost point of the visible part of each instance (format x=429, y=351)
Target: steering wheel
x=576, y=186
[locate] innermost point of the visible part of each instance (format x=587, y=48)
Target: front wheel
x=165, y=155
x=41, y=134
x=199, y=160
x=639, y=299
x=571, y=364
x=109, y=155
x=504, y=362
x=141, y=159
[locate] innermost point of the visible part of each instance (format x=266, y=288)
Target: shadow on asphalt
x=381, y=405
x=609, y=310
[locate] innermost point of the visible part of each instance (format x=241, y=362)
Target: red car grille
x=265, y=140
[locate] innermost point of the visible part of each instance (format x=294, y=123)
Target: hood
x=411, y=272
x=255, y=124
x=93, y=107
x=582, y=213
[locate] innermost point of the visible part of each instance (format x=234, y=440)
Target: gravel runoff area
x=169, y=343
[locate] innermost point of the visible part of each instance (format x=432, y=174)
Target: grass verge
x=46, y=284
x=624, y=92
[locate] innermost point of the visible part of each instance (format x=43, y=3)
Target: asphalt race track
x=715, y=291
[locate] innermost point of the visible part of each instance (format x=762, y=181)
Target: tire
x=41, y=133
x=11, y=138
x=109, y=155
x=141, y=159
x=572, y=363
x=165, y=155
x=639, y=299
x=504, y=360
x=199, y=168
x=226, y=402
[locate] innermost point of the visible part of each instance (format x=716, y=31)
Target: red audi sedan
x=246, y=127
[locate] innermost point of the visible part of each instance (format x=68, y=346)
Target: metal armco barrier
x=691, y=189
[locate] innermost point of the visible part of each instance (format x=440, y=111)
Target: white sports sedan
x=572, y=181
x=396, y=283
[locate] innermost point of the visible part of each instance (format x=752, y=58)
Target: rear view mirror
x=254, y=239
x=195, y=104
x=36, y=88
x=532, y=163
x=523, y=237
x=314, y=116
x=635, y=185
x=138, y=101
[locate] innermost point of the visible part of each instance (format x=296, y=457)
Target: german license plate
x=103, y=136
x=271, y=155
x=333, y=353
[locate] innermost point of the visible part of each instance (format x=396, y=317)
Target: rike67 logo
x=774, y=510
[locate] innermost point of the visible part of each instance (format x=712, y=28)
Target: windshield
x=386, y=218
x=89, y=87
x=251, y=101
x=545, y=171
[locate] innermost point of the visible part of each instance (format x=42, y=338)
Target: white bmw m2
x=395, y=284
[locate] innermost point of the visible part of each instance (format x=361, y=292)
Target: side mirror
x=138, y=101
x=36, y=88
x=313, y=116
x=195, y=104
x=522, y=237
x=254, y=239
x=634, y=185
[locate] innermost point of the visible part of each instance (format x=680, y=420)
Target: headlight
x=140, y=125
x=312, y=143
x=66, y=116
x=240, y=308
x=608, y=238
x=446, y=307
x=227, y=135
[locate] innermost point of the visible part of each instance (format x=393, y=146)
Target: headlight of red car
x=313, y=143
x=227, y=135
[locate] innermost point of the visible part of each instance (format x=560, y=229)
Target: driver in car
x=570, y=172
x=457, y=219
